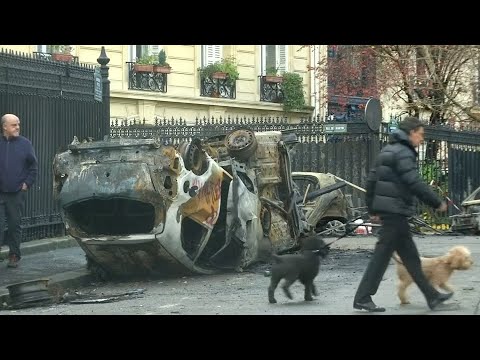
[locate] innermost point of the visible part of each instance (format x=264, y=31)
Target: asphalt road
x=246, y=292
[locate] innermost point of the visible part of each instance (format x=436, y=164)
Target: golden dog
x=437, y=270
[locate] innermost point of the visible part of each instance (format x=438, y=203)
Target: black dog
x=303, y=267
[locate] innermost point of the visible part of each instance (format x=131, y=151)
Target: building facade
x=183, y=91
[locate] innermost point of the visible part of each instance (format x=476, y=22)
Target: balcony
x=146, y=80
x=48, y=56
x=217, y=86
x=271, y=89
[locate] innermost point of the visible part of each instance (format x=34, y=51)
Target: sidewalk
x=60, y=260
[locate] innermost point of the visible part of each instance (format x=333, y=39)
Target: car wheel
x=333, y=228
x=241, y=143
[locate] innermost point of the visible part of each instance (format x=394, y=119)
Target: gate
x=54, y=101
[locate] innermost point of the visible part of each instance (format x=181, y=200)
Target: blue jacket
x=18, y=163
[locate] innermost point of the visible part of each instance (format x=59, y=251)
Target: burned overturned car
x=139, y=206
x=468, y=222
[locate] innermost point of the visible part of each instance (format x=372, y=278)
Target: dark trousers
x=11, y=210
x=394, y=235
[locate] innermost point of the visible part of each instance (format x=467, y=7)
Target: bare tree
x=442, y=80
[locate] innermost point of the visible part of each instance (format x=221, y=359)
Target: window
x=138, y=51
x=211, y=54
x=274, y=56
x=44, y=48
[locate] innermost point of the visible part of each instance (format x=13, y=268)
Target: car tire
x=335, y=232
x=241, y=144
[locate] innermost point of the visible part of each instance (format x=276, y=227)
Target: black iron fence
x=449, y=160
x=54, y=101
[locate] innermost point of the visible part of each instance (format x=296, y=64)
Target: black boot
x=437, y=300
x=369, y=306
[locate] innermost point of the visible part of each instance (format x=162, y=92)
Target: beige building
x=182, y=92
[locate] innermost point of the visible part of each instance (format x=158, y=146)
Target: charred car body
x=328, y=212
x=468, y=221
x=139, y=206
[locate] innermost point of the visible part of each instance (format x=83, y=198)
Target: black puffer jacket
x=394, y=182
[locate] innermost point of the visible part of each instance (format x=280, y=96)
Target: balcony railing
x=220, y=88
x=146, y=80
x=270, y=91
x=48, y=56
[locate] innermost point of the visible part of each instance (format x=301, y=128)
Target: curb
x=42, y=245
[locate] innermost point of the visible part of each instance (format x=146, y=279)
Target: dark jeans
x=394, y=236
x=11, y=210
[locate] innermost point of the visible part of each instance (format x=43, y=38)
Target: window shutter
x=133, y=52
x=212, y=54
x=282, y=58
x=154, y=49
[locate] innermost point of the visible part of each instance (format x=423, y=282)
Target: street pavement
x=63, y=263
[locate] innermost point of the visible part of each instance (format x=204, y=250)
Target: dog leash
x=297, y=246
x=347, y=232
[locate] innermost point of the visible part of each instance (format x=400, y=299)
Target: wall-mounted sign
x=336, y=128
x=98, y=92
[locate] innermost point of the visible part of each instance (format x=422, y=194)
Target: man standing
x=18, y=172
x=392, y=186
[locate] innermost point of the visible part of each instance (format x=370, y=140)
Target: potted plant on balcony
x=62, y=53
x=294, y=97
x=223, y=69
x=162, y=66
x=272, y=76
x=145, y=63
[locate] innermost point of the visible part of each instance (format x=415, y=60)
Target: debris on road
x=81, y=298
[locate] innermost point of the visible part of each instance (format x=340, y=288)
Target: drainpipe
x=313, y=81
